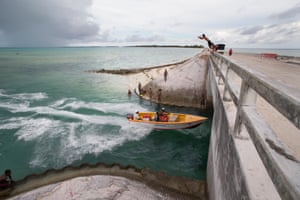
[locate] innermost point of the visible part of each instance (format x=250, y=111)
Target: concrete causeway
x=254, y=150
x=284, y=72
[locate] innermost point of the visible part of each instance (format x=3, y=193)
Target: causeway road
x=284, y=72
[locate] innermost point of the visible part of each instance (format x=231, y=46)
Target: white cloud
x=177, y=21
x=100, y=22
x=267, y=36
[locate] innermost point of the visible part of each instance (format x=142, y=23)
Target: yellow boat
x=168, y=121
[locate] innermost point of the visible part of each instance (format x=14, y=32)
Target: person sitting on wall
x=211, y=45
x=5, y=180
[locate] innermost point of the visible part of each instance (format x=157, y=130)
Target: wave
x=76, y=140
x=24, y=96
x=29, y=128
x=17, y=102
x=12, y=107
x=65, y=107
x=74, y=104
x=61, y=133
x=58, y=112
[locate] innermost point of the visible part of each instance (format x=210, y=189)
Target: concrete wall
x=246, y=159
x=184, y=85
x=171, y=186
x=224, y=175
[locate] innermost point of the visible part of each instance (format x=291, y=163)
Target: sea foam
x=61, y=133
x=24, y=96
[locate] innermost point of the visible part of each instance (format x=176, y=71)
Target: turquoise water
x=53, y=113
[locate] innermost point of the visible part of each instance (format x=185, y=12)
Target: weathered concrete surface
x=283, y=72
x=280, y=70
x=234, y=170
x=135, y=70
x=97, y=187
x=224, y=174
x=234, y=167
x=184, y=85
x=101, y=181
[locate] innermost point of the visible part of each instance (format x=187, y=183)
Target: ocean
x=53, y=113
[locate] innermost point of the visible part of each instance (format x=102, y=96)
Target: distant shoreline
x=170, y=46
x=284, y=52
x=160, y=46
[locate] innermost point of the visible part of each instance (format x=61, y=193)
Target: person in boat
x=6, y=180
x=211, y=45
x=155, y=117
x=136, y=115
x=163, y=111
x=163, y=115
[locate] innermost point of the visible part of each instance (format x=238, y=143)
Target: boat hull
x=184, y=121
x=165, y=126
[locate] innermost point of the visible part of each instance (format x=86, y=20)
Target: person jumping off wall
x=211, y=45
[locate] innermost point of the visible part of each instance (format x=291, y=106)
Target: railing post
x=247, y=98
x=217, y=62
x=228, y=78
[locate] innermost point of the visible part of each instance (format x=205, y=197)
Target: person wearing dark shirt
x=5, y=180
x=210, y=44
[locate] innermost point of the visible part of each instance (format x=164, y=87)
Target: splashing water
x=78, y=133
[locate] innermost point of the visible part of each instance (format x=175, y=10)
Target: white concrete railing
x=282, y=167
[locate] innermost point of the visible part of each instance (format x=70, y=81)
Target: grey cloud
x=250, y=30
x=46, y=23
x=271, y=34
x=288, y=14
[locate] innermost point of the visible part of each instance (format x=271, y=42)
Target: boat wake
x=65, y=130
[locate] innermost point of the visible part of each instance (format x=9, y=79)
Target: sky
x=236, y=23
